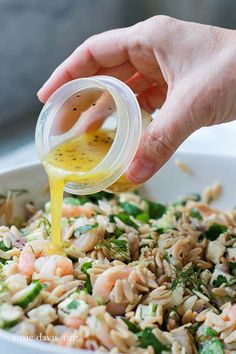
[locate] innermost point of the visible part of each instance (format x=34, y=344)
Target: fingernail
x=140, y=170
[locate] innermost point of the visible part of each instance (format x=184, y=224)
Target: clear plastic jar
x=89, y=105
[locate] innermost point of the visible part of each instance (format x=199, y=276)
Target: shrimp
x=232, y=313
x=87, y=241
x=70, y=211
x=26, y=261
x=54, y=265
x=104, y=284
x=73, y=322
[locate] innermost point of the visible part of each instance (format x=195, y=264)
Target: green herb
x=166, y=256
x=214, y=231
x=193, y=328
x=94, y=198
x=72, y=201
x=143, y=217
x=160, y=230
x=187, y=278
x=212, y=346
x=131, y=209
x=205, y=331
x=3, y=287
x=84, y=269
x=83, y=229
x=73, y=305
x=194, y=213
x=3, y=247
x=147, y=338
x=124, y=218
x=118, y=232
x=131, y=326
x=177, y=215
x=46, y=224
x=219, y=281
x=232, y=267
x=155, y=210
x=115, y=249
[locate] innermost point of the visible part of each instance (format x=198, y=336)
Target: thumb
x=160, y=139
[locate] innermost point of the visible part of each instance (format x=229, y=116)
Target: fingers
x=152, y=98
x=106, y=50
x=160, y=140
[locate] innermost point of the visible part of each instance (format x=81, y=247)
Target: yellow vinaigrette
x=63, y=163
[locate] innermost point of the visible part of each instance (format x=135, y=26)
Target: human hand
x=186, y=69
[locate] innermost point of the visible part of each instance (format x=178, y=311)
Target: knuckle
x=158, y=147
x=164, y=21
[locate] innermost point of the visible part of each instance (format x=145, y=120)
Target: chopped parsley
x=146, y=337
x=73, y=305
x=214, y=231
x=155, y=210
x=219, y=281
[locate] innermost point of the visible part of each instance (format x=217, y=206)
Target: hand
x=186, y=69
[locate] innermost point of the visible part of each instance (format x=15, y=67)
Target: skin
x=188, y=70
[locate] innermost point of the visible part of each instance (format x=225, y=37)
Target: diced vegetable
x=73, y=307
x=214, y=231
x=24, y=297
x=9, y=315
x=215, y=251
x=44, y=313
x=212, y=346
x=145, y=312
x=205, y=331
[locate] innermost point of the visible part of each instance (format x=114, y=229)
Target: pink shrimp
x=73, y=322
x=104, y=284
x=74, y=211
x=26, y=261
x=53, y=265
x=232, y=313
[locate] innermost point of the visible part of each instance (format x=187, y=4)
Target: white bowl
x=168, y=184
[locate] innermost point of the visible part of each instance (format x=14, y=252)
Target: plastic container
x=90, y=104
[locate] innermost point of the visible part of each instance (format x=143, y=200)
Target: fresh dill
x=187, y=278
x=46, y=224
x=115, y=249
